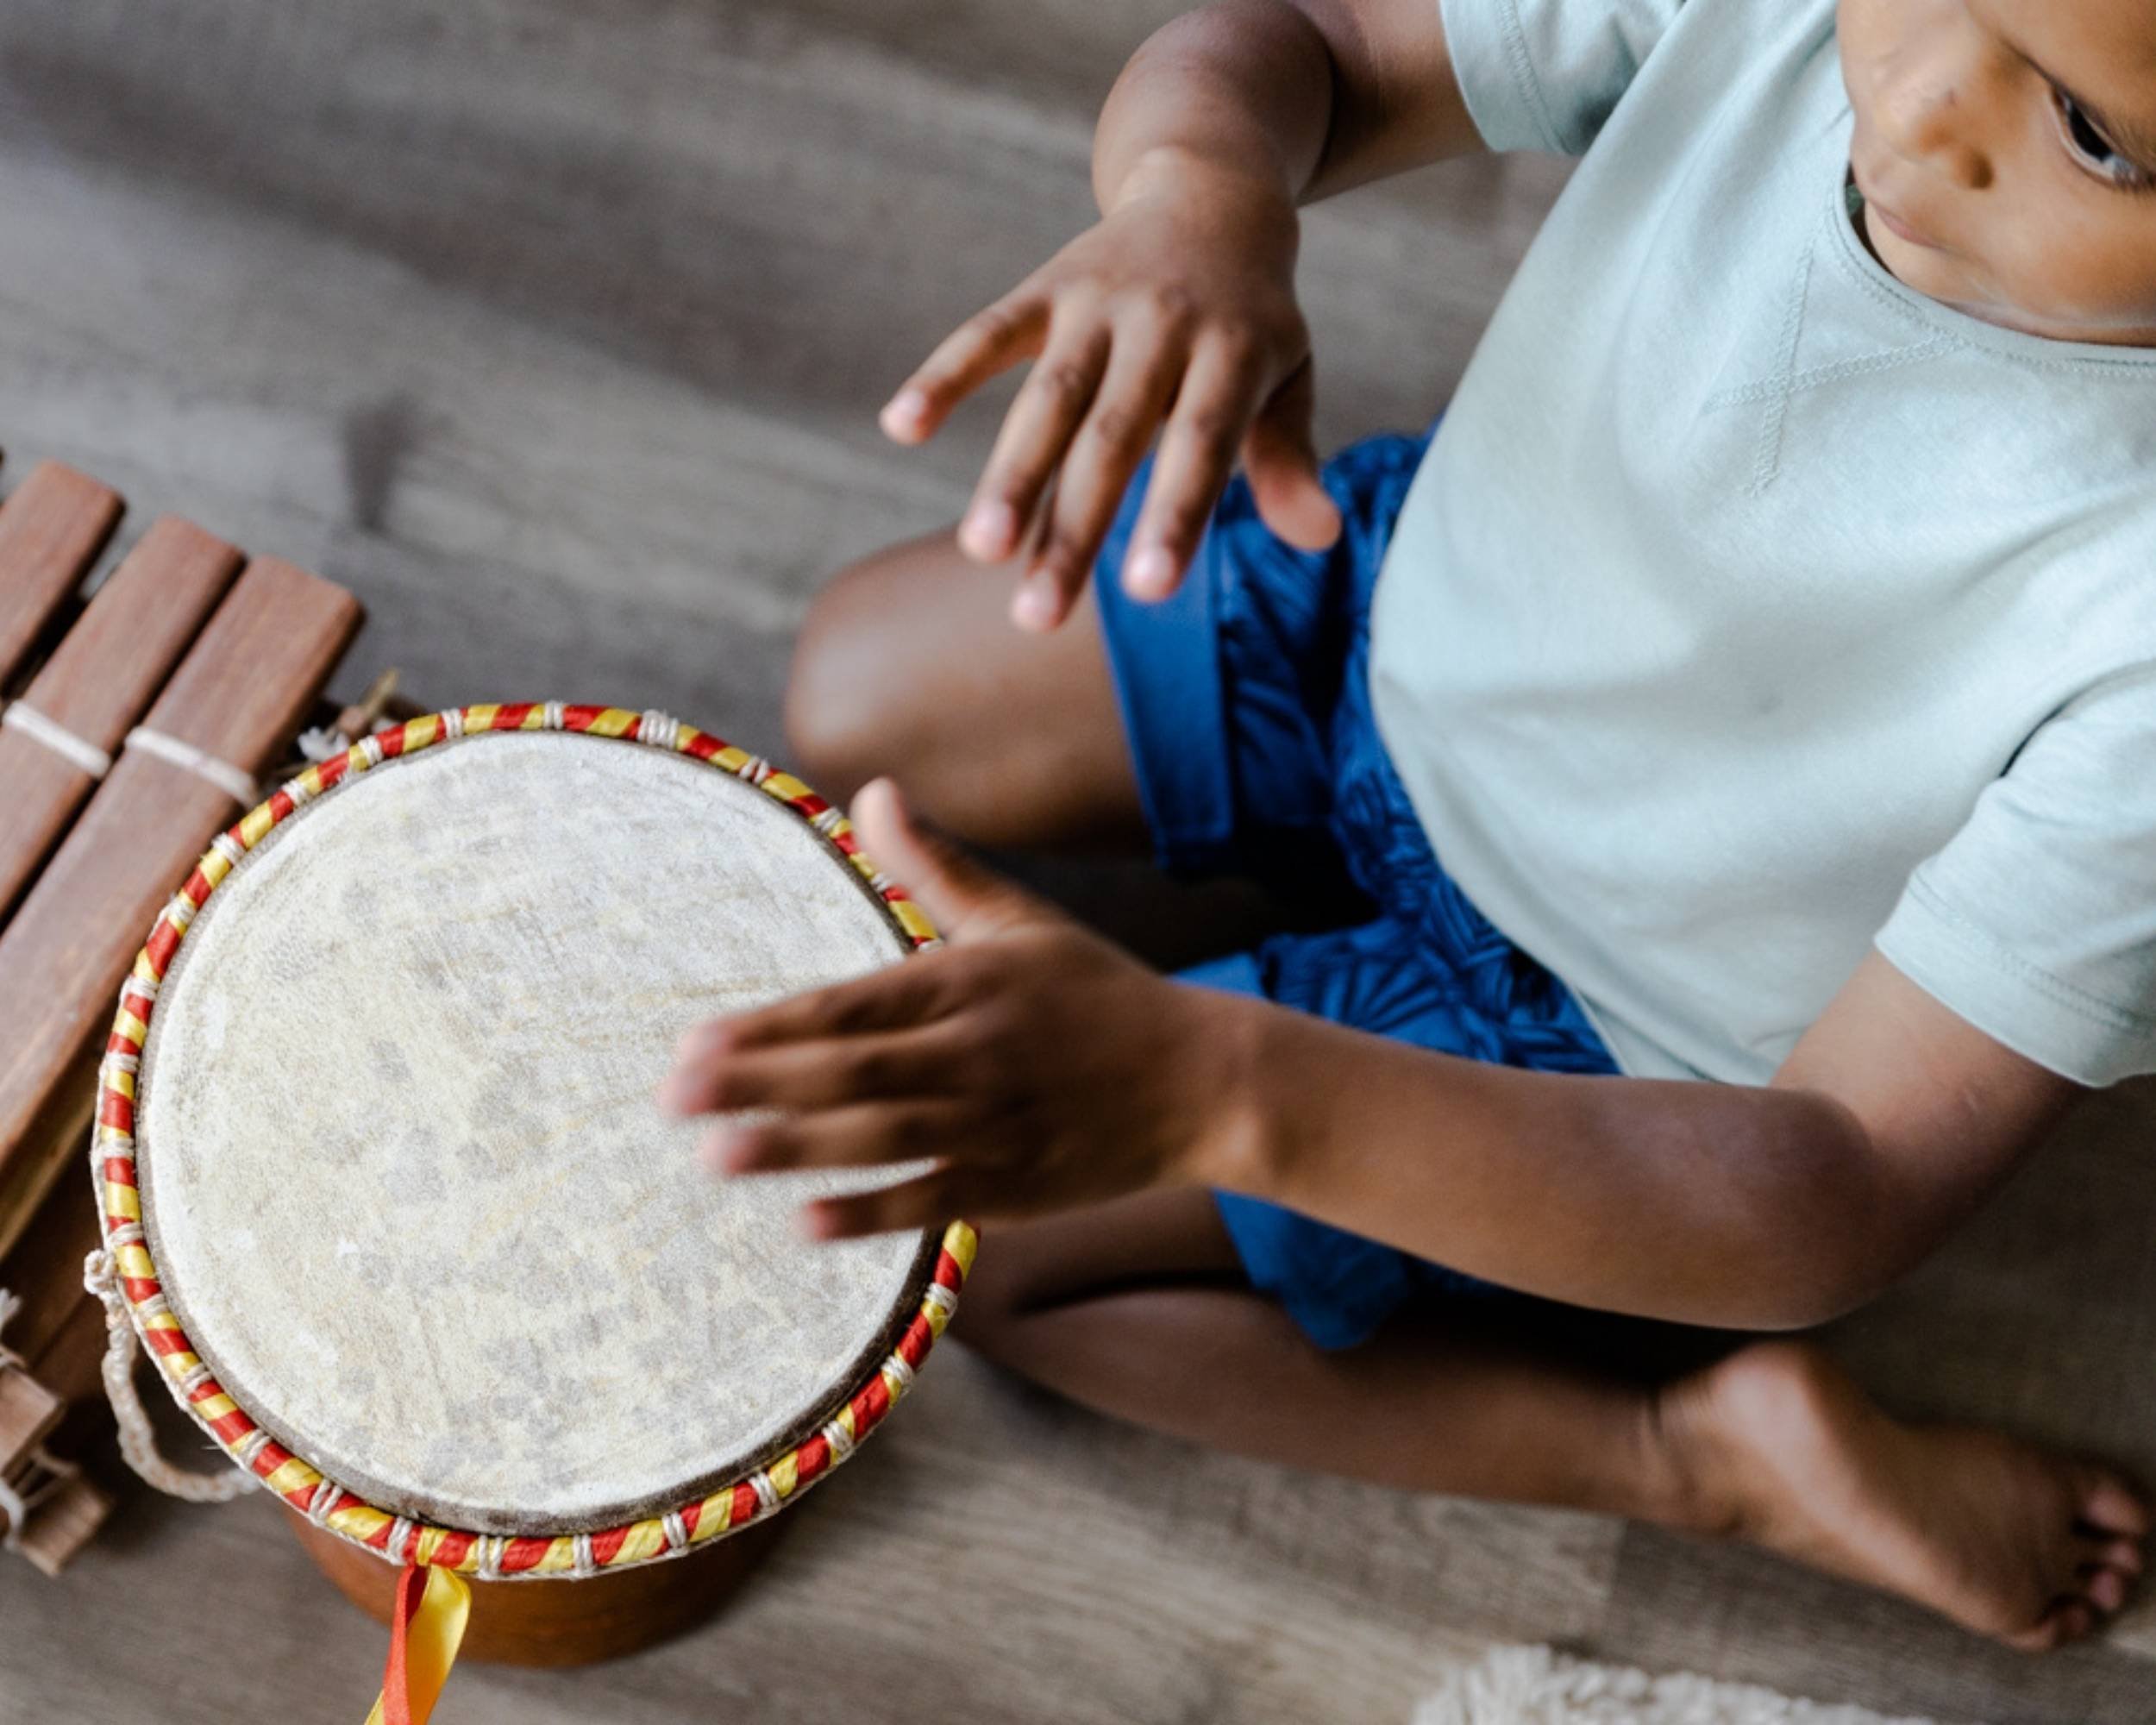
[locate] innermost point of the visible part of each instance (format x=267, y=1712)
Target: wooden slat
x=70, y=1362
x=56, y=1136
x=67, y=1510
x=44, y=1267
x=50, y=531
x=61, y=1331
x=63, y=1523
x=28, y=1411
x=100, y=678
x=239, y=694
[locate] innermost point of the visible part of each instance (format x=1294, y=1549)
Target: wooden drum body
x=388, y=1200
x=612, y=1614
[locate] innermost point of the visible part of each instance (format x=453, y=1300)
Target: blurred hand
x=1176, y=310
x=1038, y=1066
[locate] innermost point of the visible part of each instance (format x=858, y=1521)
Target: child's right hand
x=1179, y=306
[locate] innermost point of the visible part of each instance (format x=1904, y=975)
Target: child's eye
x=2096, y=152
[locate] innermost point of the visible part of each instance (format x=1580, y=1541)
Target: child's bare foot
x=1782, y=1449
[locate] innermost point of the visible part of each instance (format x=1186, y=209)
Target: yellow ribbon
x=425, y=1634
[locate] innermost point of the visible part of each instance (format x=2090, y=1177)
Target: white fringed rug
x=1536, y=1686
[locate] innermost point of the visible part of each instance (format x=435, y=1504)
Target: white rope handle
x=77, y=750
x=138, y=1439
x=224, y=775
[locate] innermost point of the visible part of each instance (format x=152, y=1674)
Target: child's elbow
x=1851, y=1228
x=1848, y=1267
x=1822, y=1300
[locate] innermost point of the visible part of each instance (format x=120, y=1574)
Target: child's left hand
x=1040, y=1065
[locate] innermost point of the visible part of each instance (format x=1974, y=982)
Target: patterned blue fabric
x=1246, y=699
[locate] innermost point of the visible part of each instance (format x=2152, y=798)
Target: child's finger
x=1029, y=446
x=880, y=1066
x=866, y=1135
x=993, y=340
x=966, y=899
x=918, y=992
x=925, y=1201
x=1281, y=457
x=1144, y=368
x=1197, y=454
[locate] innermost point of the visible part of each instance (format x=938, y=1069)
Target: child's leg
x=1133, y=1309
x=908, y=664
x=1139, y=1308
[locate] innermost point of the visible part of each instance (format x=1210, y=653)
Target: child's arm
x=1757, y=1207
x=1048, y=1069
x=1177, y=313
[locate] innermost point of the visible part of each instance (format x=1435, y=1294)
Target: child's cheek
x=2083, y=267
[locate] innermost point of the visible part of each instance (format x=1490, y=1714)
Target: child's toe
x=2106, y=1590
x=2108, y=1503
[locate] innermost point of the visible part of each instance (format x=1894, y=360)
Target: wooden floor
x=556, y=330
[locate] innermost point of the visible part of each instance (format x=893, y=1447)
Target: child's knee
x=998, y=1298
x=843, y=706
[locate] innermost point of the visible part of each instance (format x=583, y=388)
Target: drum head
x=403, y=1182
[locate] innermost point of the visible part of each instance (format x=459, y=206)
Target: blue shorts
x=1246, y=699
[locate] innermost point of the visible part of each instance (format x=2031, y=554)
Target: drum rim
x=806, y=1453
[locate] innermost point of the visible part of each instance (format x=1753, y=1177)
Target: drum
x=388, y=1200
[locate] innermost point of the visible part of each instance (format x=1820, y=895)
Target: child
x=1746, y=753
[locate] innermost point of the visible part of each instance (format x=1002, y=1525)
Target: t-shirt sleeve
x=2036, y=922
x=1543, y=75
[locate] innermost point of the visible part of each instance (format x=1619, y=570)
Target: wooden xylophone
x=134, y=722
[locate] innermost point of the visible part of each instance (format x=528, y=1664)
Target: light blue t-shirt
x=1749, y=607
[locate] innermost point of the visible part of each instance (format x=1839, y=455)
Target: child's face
x=2007, y=153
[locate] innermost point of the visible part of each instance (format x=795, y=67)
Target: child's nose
x=1938, y=108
